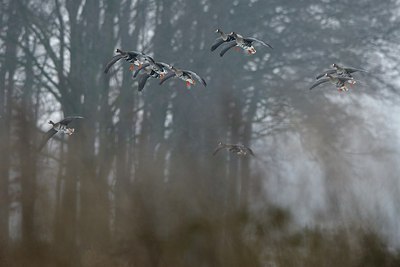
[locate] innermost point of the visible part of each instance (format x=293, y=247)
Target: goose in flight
x=133, y=57
x=224, y=38
x=238, y=149
x=340, y=71
x=188, y=76
x=61, y=126
x=160, y=68
x=245, y=43
x=338, y=81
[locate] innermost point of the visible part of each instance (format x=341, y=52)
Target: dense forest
x=137, y=184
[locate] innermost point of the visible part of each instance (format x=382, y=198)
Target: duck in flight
x=238, y=149
x=338, y=81
x=188, y=76
x=133, y=57
x=224, y=38
x=340, y=71
x=246, y=43
x=61, y=126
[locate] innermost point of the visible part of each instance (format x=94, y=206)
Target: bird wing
x=217, y=150
x=330, y=71
x=251, y=39
x=168, y=76
x=112, y=62
x=250, y=150
x=142, y=81
x=148, y=58
x=227, y=47
x=320, y=81
x=163, y=64
x=67, y=120
x=219, y=41
x=351, y=70
x=49, y=134
x=145, y=65
x=344, y=79
x=200, y=79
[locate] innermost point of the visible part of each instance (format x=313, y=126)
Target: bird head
x=335, y=66
x=251, y=50
x=52, y=123
x=218, y=31
x=119, y=51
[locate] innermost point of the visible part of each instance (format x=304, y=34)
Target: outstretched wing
x=217, y=150
x=112, y=62
x=219, y=41
x=250, y=150
x=351, y=70
x=164, y=65
x=320, y=81
x=330, y=71
x=251, y=39
x=46, y=138
x=194, y=74
x=345, y=79
x=166, y=77
x=227, y=47
x=67, y=120
x=142, y=81
x=148, y=59
x=145, y=65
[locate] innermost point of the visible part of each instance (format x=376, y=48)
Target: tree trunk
x=7, y=71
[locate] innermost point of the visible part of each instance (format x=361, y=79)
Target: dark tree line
x=137, y=184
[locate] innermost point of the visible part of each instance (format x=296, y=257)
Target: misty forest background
x=137, y=184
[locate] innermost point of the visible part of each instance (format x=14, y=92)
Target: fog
x=137, y=183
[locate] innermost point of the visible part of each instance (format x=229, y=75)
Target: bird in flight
x=133, y=57
x=246, y=43
x=338, y=81
x=61, y=126
x=238, y=149
x=188, y=76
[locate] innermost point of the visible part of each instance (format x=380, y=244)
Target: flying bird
x=61, y=126
x=160, y=68
x=145, y=76
x=238, y=149
x=224, y=38
x=133, y=57
x=338, y=81
x=246, y=43
x=340, y=71
x=151, y=69
x=188, y=76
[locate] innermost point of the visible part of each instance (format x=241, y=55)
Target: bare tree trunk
x=7, y=71
x=27, y=151
x=123, y=198
x=245, y=174
x=93, y=187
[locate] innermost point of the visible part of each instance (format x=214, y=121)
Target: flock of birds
x=339, y=76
